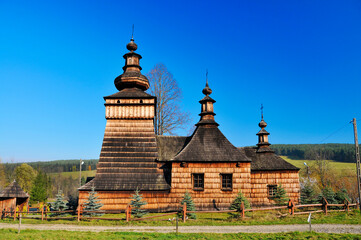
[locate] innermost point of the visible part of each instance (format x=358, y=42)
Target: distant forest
x=330, y=151
x=56, y=166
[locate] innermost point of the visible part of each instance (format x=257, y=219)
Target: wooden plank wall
x=260, y=180
x=212, y=196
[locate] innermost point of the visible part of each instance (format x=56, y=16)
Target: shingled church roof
x=268, y=161
x=13, y=191
x=208, y=144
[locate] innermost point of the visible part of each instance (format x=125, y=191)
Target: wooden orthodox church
x=205, y=164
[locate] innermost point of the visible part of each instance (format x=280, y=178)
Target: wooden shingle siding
x=261, y=179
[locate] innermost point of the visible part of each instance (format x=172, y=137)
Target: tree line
x=56, y=166
x=330, y=151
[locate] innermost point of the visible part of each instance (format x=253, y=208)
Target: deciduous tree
x=25, y=175
x=163, y=85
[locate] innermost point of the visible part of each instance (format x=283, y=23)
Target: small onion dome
x=207, y=91
x=132, y=46
x=262, y=124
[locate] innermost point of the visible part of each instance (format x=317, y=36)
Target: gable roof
x=266, y=161
x=13, y=191
x=208, y=144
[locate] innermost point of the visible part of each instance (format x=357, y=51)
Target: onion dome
x=132, y=46
x=262, y=124
x=132, y=77
x=207, y=90
x=207, y=114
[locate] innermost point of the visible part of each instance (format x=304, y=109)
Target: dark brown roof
x=128, y=159
x=267, y=161
x=13, y=191
x=130, y=93
x=208, y=144
x=169, y=146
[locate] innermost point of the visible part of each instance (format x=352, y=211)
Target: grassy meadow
x=338, y=166
x=58, y=235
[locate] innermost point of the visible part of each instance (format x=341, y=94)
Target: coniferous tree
x=93, y=204
x=308, y=195
x=328, y=194
x=280, y=197
x=136, y=204
x=236, y=205
x=41, y=188
x=59, y=204
x=187, y=199
x=341, y=195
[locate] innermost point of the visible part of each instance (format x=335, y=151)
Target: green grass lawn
x=59, y=235
x=75, y=175
x=217, y=219
x=339, y=166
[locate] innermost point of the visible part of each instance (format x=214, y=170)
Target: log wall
x=260, y=180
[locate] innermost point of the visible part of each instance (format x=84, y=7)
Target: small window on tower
x=272, y=189
x=141, y=101
x=198, y=181
x=226, y=182
x=118, y=101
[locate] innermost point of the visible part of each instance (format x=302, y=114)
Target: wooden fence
x=80, y=214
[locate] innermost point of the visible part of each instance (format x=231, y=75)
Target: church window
x=198, y=181
x=226, y=181
x=272, y=189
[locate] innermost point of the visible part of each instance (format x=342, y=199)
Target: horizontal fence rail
x=80, y=213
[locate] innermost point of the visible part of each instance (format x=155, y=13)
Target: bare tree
x=169, y=116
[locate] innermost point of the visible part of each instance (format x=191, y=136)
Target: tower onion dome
x=207, y=113
x=132, y=77
x=262, y=124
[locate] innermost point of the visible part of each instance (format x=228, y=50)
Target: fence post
x=347, y=203
x=291, y=207
x=42, y=213
x=80, y=208
x=184, y=212
x=46, y=213
x=2, y=213
x=14, y=213
x=325, y=203
x=128, y=213
x=242, y=210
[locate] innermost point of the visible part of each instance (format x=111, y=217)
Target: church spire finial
x=132, y=46
x=207, y=91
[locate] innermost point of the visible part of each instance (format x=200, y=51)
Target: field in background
x=339, y=166
x=75, y=175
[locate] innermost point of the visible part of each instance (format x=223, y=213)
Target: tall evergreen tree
x=136, y=204
x=93, y=204
x=280, y=197
x=41, y=188
x=187, y=199
x=236, y=205
x=59, y=204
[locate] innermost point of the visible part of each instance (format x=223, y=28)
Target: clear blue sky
x=301, y=59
